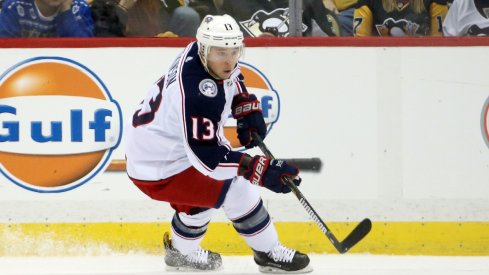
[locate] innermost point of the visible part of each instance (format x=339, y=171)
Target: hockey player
x=176, y=152
x=467, y=17
x=399, y=17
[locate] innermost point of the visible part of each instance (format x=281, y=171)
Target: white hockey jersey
x=467, y=17
x=180, y=122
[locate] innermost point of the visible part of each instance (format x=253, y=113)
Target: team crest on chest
x=208, y=87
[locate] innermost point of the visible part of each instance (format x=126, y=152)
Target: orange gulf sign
x=58, y=124
x=258, y=84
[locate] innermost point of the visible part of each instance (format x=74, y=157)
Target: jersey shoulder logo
x=208, y=87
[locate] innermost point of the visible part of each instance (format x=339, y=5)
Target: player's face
x=221, y=61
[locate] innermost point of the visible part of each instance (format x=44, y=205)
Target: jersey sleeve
x=362, y=19
x=75, y=22
x=438, y=12
x=241, y=88
x=9, y=23
x=450, y=22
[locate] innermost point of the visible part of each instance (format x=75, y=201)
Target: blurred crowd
x=180, y=18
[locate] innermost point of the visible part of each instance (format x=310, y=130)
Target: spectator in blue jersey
x=46, y=18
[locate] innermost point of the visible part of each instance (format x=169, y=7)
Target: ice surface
x=348, y=264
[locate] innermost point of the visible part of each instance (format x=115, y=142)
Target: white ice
x=348, y=264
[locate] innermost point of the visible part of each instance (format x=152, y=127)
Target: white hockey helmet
x=218, y=31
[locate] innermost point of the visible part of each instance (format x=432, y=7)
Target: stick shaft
x=358, y=233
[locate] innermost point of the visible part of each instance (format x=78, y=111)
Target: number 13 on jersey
x=203, y=129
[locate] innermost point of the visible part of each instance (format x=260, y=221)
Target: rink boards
x=390, y=238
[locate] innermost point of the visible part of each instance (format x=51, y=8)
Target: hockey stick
x=358, y=233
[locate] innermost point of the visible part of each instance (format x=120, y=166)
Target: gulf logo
x=485, y=122
x=58, y=124
x=258, y=84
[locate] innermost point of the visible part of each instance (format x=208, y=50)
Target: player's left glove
x=246, y=110
x=263, y=171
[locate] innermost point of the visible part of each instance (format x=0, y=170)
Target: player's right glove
x=262, y=171
x=246, y=110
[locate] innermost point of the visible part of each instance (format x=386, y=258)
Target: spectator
x=203, y=7
x=271, y=18
x=344, y=11
x=399, y=17
x=467, y=17
x=46, y=18
x=144, y=18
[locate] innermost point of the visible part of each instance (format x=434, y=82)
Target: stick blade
x=362, y=229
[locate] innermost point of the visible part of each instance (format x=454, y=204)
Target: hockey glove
x=246, y=110
x=262, y=171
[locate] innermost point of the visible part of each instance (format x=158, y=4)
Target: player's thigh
x=241, y=198
x=190, y=188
